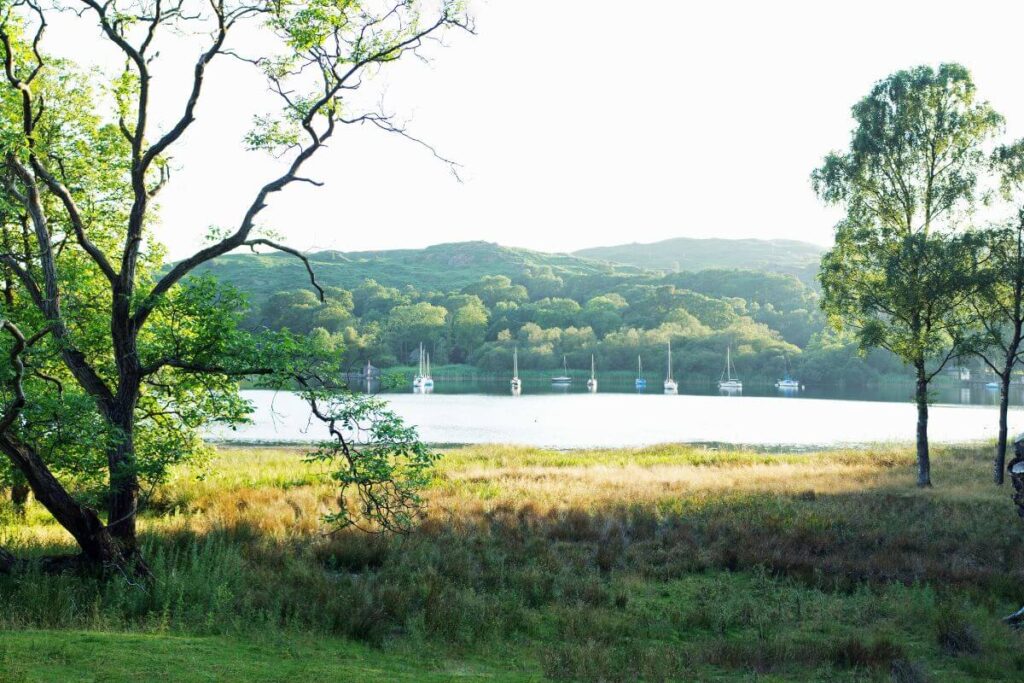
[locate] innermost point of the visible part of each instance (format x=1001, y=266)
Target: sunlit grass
x=670, y=562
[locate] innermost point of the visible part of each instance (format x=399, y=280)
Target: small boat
x=640, y=383
x=670, y=384
x=428, y=381
x=993, y=385
x=417, y=381
x=563, y=379
x=787, y=383
x=592, y=382
x=516, y=384
x=727, y=381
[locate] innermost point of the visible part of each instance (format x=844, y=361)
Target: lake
x=575, y=419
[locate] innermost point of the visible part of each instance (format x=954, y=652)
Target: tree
x=494, y=288
x=553, y=312
x=603, y=313
x=468, y=327
x=114, y=361
x=998, y=305
x=895, y=274
x=412, y=324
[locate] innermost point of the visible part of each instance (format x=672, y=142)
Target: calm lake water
x=576, y=419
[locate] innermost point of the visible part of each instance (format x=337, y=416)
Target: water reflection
x=610, y=420
x=975, y=393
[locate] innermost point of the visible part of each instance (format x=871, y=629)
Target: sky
x=585, y=122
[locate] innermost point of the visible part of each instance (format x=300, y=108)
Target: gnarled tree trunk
x=99, y=548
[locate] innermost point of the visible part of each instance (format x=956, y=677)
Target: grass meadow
x=667, y=563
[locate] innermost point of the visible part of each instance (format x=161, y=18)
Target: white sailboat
x=640, y=382
x=727, y=381
x=516, y=384
x=592, y=382
x=787, y=383
x=417, y=381
x=564, y=379
x=428, y=381
x=670, y=384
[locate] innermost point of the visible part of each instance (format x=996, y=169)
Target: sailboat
x=417, y=381
x=640, y=383
x=727, y=381
x=516, y=384
x=592, y=382
x=787, y=383
x=670, y=384
x=563, y=379
x=428, y=381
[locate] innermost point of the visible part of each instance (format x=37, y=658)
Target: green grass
x=665, y=563
x=73, y=656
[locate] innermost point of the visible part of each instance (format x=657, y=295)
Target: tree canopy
x=899, y=273
x=116, y=361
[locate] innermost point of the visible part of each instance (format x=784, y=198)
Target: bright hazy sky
x=590, y=122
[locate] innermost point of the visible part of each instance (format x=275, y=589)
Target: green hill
x=441, y=268
x=691, y=254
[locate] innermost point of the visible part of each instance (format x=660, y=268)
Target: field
x=669, y=563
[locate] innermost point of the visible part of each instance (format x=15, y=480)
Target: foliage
x=767, y=317
x=666, y=563
x=899, y=274
x=116, y=361
x=375, y=457
x=789, y=257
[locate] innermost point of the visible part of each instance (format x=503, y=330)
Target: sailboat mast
x=591, y=366
x=669, y=375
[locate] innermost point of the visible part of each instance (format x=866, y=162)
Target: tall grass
x=661, y=563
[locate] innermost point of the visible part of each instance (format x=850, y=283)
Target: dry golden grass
x=665, y=563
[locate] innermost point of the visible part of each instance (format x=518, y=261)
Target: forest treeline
x=768, y=319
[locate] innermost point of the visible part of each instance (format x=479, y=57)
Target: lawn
x=667, y=563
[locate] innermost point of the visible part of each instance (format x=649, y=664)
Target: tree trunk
x=999, y=466
x=99, y=548
x=123, y=498
x=19, y=496
x=924, y=470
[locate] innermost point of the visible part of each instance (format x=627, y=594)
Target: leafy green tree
x=542, y=283
x=493, y=289
x=409, y=325
x=895, y=274
x=293, y=310
x=553, y=312
x=116, y=362
x=603, y=313
x=998, y=304
x=468, y=328
x=373, y=301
